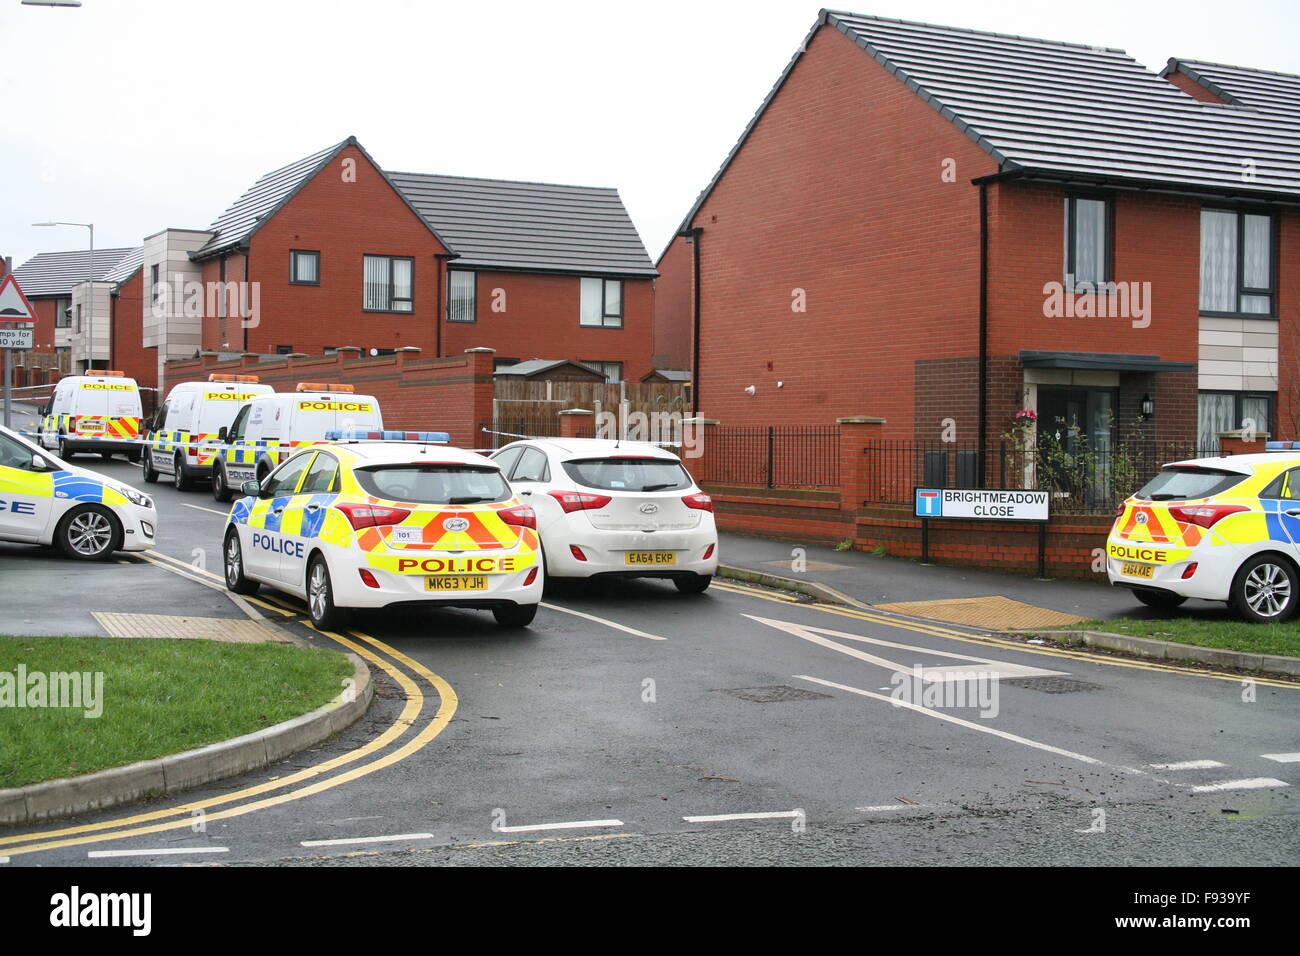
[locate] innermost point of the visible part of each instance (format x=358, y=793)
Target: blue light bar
x=1280, y=445
x=357, y=435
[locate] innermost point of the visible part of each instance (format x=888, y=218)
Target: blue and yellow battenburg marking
x=65, y=486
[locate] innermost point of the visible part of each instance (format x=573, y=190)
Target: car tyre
x=63, y=449
x=1159, y=601
x=180, y=479
x=220, y=489
x=150, y=473
x=232, y=558
x=515, y=615
x=1266, y=589
x=320, y=597
x=695, y=584
x=89, y=533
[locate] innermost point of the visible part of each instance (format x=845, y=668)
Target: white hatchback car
x=88, y=516
x=616, y=509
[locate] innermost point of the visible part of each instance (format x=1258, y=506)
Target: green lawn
x=159, y=697
x=1226, y=633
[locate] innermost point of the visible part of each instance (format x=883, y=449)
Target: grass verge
x=159, y=697
x=1283, y=639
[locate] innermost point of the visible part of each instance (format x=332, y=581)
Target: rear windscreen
x=1178, y=483
x=629, y=474
x=434, y=484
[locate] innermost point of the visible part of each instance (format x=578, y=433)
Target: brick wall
x=127, y=352
x=452, y=394
x=530, y=315
x=675, y=306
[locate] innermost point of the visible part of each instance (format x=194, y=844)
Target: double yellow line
x=938, y=630
x=182, y=816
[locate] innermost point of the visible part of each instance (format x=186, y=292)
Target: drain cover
x=774, y=695
x=1052, y=685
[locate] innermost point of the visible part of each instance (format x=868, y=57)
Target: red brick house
x=941, y=227
x=335, y=253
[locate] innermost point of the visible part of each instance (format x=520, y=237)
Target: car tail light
x=532, y=576
x=521, y=516
x=701, y=501
x=368, y=579
x=372, y=516
x=1204, y=515
x=708, y=553
x=572, y=501
x=1189, y=570
x=577, y=552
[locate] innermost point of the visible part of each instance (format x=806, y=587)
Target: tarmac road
x=635, y=725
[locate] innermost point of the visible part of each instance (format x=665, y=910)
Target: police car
x=372, y=522
x=182, y=439
x=269, y=427
x=615, y=509
x=98, y=413
x=44, y=500
x=1220, y=529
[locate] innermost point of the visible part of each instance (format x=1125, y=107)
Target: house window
x=155, y=288
x=500, y=363
x=1229, y=411
x=63, y=313
x=284, y=350
x=388, y=283
x=1087, y=243
x=304, y=267
x=602, y=302
x=1236, y=263
x=460, y=296
x=76, y=323
x=613, y=371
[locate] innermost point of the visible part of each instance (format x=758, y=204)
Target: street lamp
x=90, y=308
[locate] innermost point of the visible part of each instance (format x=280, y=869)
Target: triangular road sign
x=14, y=306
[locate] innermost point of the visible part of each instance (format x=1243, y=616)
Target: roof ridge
x=986, y=33
x=495, y=179
x=1181, y=61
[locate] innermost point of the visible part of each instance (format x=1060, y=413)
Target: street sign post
x=14, y=308
x=984, y=504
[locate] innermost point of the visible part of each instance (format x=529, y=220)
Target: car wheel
x=233, y=559
x=133, y=455
x=320, y=597
x=220, y=490
x=1161, y=602
x=1265, y=589
x=515, y=615
x=695, y=584
x=106, y=455
x=180, y=479
x=63, y=450
x=89, y=533
x=150, y=472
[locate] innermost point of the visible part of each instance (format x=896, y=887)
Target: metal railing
x=771, y=456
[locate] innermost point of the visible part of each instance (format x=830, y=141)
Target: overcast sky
x=138, y=115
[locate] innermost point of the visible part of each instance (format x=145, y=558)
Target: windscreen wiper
x=468, y=499
x=659, y=487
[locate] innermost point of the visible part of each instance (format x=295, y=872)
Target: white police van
x=182, y=440
x=98, y=413
x=269, y=428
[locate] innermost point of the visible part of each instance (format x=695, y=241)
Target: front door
x=1075, y=436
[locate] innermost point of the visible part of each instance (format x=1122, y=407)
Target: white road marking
x=949, y=672
x=160, y=851
x=1253, y=783
x=574, y=825
x=1188, y=765
x=1282, y=758
x=374, y=839
x=892, y=806
x=720, y=817
x=898, y=702
x=211, y=511
x=600, y=620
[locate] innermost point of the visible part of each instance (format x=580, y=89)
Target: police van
x=182, y=440
x=98, y=413
x=271, y=427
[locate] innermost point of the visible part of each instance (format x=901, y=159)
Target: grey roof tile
x=535, y=227
x=55, y=273
x=127, y=266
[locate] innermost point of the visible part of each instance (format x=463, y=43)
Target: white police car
x=373, y=522
x=88, y=516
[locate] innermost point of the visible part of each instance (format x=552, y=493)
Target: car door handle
x=528, y=493
x=1293, y=513
x=278, y=511
x=313, y=507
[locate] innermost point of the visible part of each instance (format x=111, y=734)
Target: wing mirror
x=40, y=464
x=223, y=434
x=251, y=489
